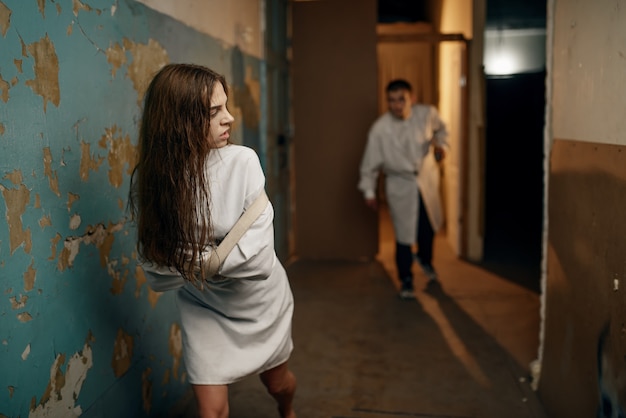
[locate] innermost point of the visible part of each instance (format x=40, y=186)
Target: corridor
x=459, y=351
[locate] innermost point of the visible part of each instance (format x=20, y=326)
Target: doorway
x=514, y=177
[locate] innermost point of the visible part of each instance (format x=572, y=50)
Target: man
x=406, y=143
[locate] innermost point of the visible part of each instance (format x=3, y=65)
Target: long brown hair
x=169, y=193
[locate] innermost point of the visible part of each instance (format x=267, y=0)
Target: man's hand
x=440, y=154
x=372, y=203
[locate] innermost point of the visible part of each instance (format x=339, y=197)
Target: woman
x=188, y=190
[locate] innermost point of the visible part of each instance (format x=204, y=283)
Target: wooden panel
x=586, y=284
x=334, y=91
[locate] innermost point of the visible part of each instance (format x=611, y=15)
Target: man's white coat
x=403, y=150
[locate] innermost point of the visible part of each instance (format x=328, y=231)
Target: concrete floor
x=460, y=350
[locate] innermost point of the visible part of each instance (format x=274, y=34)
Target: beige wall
x=583, y=346
x=589, y=71
x=238, y=22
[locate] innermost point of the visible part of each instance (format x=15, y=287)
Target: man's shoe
x=428, y=269
x=430, y=272
x=406, y=293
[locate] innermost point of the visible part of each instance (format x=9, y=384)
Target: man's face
x=399, y=102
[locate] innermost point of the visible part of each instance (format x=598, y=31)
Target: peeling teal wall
x=80, y=332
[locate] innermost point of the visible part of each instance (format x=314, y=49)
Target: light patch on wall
x=46, y=82
x=5, y=18
x=94, y=235
x=63, y=389
x=15, y=201
x=30, y=275
x=175, y=348
x=121, y=152
x=122, y=353
x=26, y=352
x=88, y=162
x=147, y=59
x=53, y=244
x=24, y=317
x=78, y=6
x=116, y=56
x=42, y=7
x=14, y=177
x=146, y=390
x=53, y=179
x=140, y=276
x=45, y=221
x=75, y=221
x=119, y=280
x=4, y=90
x=18, y=303
x=71, y=199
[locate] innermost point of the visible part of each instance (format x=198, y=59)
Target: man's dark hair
x=398, y=84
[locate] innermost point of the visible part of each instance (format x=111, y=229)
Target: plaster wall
x=80, y=331
x=589, y=71
x=584, y=304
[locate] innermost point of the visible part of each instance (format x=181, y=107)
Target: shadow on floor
x=362, y=352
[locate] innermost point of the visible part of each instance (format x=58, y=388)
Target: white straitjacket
x=239, y=323
x=403, y=150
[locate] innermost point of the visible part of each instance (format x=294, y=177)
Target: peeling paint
x=24, y=48
x=63, y=389
x=119, y=280
x=16, y=201
x=37, y=200
x=53, y=179
x=78, y=6
x=30, y=276
x=71, y=198
x=2, y=129
x=122, y=353
x=42, y=7
x=15, y=177
x=18, y=65
x=11, y=391
x=94, y=235
x=70, y=29
x=46, y=82
x=116, y=56
x=54, y=242
x=146, y=390
x=75, y=222
x=58, y=9
x=122, y=153
x=87, y=161
x=26, y=352
x=120, y=203
x=5, y=19
x=18, y=304
x=24, y=317
x=147, y=59
x=4, y=90
x=175, y=345
x=140, y=277
x=45, y=221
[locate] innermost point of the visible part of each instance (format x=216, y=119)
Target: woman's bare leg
x=281, y=384
x=212, y=400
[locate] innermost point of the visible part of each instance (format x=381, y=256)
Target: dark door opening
x=514, y=177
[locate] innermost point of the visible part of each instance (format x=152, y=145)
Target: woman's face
x=221, y=119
